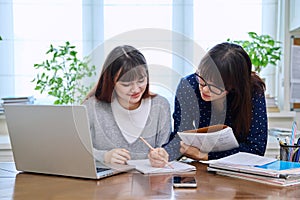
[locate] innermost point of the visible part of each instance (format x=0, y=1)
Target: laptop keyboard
x=99, y=169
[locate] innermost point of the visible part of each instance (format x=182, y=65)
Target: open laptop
x=54, y=140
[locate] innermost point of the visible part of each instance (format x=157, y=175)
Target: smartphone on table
x=184, y=182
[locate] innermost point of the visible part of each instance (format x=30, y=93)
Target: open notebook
x=144, y=167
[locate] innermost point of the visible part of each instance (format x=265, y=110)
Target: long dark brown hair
x=124, y=63
x=229, y=65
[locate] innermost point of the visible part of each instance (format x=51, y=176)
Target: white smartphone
x=184, y=182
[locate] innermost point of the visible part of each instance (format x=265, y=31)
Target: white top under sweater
x=131, y=122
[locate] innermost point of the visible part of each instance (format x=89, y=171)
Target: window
x=216, y=20
x=36, y=25
x=142, y=24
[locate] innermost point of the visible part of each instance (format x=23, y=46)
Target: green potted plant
x=262, y=50
x=62, y=74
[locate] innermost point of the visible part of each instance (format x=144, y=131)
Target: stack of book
x=15, y=100
x=267, y=171
x=1, y=109
x=18, y=100
x=272, y=104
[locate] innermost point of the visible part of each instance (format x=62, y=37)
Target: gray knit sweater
x=106, y=134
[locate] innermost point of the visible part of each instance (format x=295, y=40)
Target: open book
x=145, y=167
x=211, y=138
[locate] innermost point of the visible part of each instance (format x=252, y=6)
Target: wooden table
x=133, y=185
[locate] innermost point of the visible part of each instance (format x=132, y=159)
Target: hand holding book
x=212, y=138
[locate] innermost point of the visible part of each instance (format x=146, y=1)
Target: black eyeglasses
x=214, y=89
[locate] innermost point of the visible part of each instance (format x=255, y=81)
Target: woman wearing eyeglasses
x=223, y=90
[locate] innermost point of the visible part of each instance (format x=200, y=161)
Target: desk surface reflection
x=133, y=185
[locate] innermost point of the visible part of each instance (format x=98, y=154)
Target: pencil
x=167, y=163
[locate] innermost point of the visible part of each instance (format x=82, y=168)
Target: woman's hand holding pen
x=192, y=152
x=118, y=156
x=158, y=157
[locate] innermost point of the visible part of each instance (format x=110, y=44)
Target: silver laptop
x=54, y=140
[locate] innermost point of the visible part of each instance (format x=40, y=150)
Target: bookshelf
x=281, y=119
x=271, y=104
x=281, y=114
x=295, y=75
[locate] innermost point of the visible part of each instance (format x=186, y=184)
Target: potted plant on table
x=61, y=75
x=262, y=50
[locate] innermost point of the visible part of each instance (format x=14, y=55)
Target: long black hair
x=229, y=65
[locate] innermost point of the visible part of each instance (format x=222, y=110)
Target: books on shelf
x=145, y=167
x=15, y=100
x=271, y=104
x=212, y=138
x=1, y=109
x=19, y=100
x=296, y=106
x=264, y=170
x=273, y=109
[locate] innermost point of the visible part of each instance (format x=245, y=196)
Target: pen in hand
x=153, y=149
